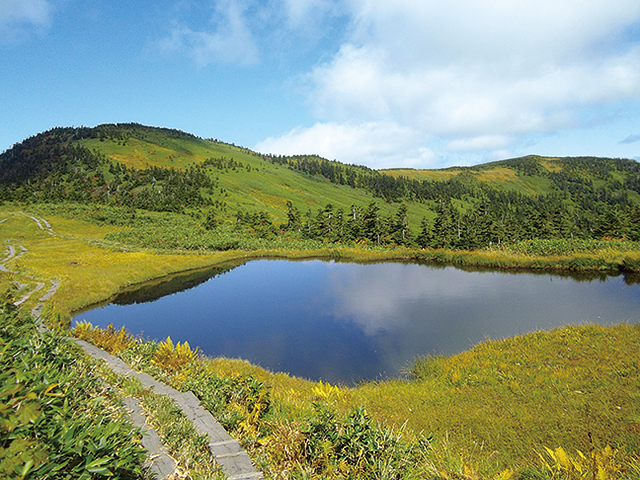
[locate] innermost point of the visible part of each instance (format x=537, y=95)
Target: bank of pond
x=319, y=365
x=347, y=322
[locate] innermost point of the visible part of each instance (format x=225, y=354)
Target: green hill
x=86, y=212
x=308, y=197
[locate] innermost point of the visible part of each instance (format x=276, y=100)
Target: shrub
x=56, y=421
x=238, y=402
x=109, y=339
x=173, y=358
x=354, y=446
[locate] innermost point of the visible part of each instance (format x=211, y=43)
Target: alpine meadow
x=86, y=212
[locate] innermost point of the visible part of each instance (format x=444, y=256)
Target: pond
x=347, y=322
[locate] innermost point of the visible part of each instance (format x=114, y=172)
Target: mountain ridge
x=166, y=170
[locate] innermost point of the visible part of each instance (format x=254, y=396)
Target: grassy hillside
x=85, y=212
x=246, y=180
x=494, y=175
x=306, y=197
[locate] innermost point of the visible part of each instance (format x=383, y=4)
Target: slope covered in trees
x=225, y=188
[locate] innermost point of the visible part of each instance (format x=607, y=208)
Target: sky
x=403, y=83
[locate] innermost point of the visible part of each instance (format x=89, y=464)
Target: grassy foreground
x=563, y=404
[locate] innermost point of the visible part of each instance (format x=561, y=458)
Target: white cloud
x=228, y=40
x=375, y=144
x=485, y=142
x=303, y=14
x=476, y=74
x=17, y=16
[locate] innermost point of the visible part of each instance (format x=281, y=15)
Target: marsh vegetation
x=94, y=210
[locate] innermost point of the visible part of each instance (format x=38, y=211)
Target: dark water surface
x=344, y=322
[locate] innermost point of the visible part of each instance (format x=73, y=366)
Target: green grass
x=57, y=421
x=544, y=389
x=517, y=408
x=93, y=259
x=484, y=413
x=541, y=390
x=185, y=445
x=162, y=151
x=500, y=177
x=266, y=187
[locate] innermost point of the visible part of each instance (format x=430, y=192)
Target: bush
x=53, y=420
x=355, y=446
x=173, y=358
x=109, y=339
x=238, y=402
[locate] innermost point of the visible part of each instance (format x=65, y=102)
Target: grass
x=573, y=389
x=185, y=445
x=500, y=177
x=552, y=389
x=265, y=187
x=515, y=408
x=557, y=405
x=91, y=270
x=57, y=419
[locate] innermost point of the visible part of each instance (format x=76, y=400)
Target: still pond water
x=345, y=322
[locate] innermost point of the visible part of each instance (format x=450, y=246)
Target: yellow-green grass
x=169, y=152
x=419, y=174
x=265, y=187
x=507, y=178
x=497, y=406
x=543, y=389
x=551, y=164
x=496, y=176
x=500, y=404
x=91, y=270
x=494, y=407
x=88, y=272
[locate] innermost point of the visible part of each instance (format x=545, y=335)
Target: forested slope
x=230, y=189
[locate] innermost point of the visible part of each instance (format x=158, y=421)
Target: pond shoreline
x=588, y=264
x=343, y=321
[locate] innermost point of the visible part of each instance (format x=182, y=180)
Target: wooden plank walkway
x=226, y=450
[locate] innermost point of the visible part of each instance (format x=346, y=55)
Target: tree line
x=477, y=226
x=614, y=179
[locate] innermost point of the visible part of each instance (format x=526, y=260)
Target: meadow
x=491, y=412
x=120, y=205
x=559, y=404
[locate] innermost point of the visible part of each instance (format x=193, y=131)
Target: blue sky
x=408, y=83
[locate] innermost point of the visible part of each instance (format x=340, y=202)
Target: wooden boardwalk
x=226, y=450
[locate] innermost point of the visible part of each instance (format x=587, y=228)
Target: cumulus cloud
x=375, y=144
x=477, y=74
x=227, y=40
x=18, y=16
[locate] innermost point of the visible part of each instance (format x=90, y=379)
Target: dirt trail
x=234, y=461
x=12, y=254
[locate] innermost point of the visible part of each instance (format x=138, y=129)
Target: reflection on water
x=151, y=291
x=343, y=322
